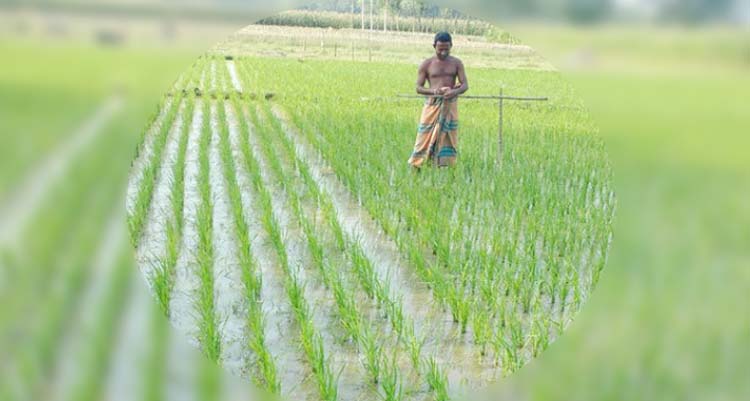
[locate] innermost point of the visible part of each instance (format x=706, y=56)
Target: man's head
x=442, y=44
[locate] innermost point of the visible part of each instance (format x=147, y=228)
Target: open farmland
x=77, y=322
x=665, y=322
x=278, y=225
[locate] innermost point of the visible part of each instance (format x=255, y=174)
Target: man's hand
x=442, y=90
x=450, y=93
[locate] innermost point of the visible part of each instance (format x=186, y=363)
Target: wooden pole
x=500, y=126
x=539, y=99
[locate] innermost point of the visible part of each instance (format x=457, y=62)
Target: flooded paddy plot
x=287, y=237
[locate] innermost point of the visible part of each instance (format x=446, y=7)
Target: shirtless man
x=437, y=134
x=441, y=71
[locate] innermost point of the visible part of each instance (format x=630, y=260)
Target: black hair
x=442, y=37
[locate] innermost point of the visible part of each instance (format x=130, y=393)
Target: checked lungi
x=437, y=134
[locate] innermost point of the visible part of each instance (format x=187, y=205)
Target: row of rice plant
x=156, y=142
x=251, y=279
x=310, y=339
x=209, y=331
x=163, y=279
x=138, y=213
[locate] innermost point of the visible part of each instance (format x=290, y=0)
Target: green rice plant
x=482, y=329
x=437, y=380
x=517, y=338
x=163, y=280
x=539, y=335
x=414, y=346
x=138, y=215
x=391, y=383
x=364, y=270
x=250, y=277
x=327, y=381
x=209, y=334
x=373, y=356
x=570, y=278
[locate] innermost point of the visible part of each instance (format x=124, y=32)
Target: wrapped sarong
x=437, y=134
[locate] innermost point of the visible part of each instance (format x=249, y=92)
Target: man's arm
x=461, y=72
x=421, y=78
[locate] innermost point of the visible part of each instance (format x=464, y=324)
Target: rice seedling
x=437, y=380
x=208, y=324
x=392, y=382
x=163, y=279
x=137, y=216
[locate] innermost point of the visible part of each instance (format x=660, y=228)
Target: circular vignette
x=281, y=227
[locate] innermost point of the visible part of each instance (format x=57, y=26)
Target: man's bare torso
x=442, y=72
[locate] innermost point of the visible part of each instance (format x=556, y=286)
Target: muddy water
x=230, y=303
x=294, y=374
x=182, y=312
x=342, y=355
x=454, y=351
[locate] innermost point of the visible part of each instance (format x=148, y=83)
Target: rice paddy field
x=77, y=321
x=270, y=196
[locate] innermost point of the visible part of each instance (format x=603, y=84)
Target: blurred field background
x=667, y=81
